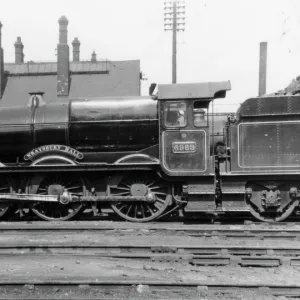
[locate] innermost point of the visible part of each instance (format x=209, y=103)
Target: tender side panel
x=269, y=144
x=184, y=152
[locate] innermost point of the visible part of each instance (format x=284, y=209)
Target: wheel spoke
x=130, y=206
x=68, y=184
x=142, y=209
x=121, y=194
x=123, y=205
x=160, y=200
x=158, y=187
x=135, y=210
x=157, y=205
x=159, y=193
x=150, y=209
x=73, y=187
x=153, y=182
x=121, y=188
x=4, y=188
x=119, y=204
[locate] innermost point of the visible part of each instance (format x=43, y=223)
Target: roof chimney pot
x=94, y=57
x=19, y=55
x=76, y=49
x=63, y=30
x=63, y=68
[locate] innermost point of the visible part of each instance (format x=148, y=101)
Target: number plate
x=184, y=147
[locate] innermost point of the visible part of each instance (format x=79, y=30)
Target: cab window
x=175, y=114
x=200, y=115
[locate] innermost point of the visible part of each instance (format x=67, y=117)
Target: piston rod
x=66, y=198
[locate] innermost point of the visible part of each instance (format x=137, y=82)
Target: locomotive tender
x=148, y=156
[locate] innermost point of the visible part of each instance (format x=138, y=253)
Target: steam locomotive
x=146, y=157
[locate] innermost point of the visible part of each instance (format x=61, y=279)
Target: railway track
x=256, y=247
x=113, y=290
x=105, y=260
x=197, y=256
x=286, y=231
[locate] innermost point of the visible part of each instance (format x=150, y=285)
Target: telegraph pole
x=174, y=17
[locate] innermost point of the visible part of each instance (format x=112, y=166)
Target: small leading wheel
x=56, y=184
x=5, y=188
x=141, y=185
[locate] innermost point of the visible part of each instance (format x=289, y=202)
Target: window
x=200, y=114
x=175, y=114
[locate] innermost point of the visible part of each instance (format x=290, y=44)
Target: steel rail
x=99, y=225
x=140, y=281
x=161, y=292
x=276, y=232
x=159, y=286
x=171, y=248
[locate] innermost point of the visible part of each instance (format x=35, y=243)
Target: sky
x=220, y=42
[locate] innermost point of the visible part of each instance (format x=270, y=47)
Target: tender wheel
x=5, y=188
x=272, y=217
x=271, y=201
x=141, y=185
x=56, y=184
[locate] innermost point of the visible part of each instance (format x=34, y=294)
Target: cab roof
x=204, y=90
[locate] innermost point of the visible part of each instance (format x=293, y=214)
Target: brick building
x=64, y=79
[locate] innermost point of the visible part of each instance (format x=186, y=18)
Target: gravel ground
x=49, y=267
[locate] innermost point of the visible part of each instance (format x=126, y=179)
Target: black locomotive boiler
x=147, y=156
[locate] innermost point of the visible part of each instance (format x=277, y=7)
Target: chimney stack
x=1, y=65
x=262, y=86
x=94, y=57
x=19, y=55
x=76, y=51
x=63, y=59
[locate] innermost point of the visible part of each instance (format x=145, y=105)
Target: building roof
x=50, y=68
x=87, y=79
x=17, y=89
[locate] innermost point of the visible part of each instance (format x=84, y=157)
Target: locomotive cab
x=184, y=127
